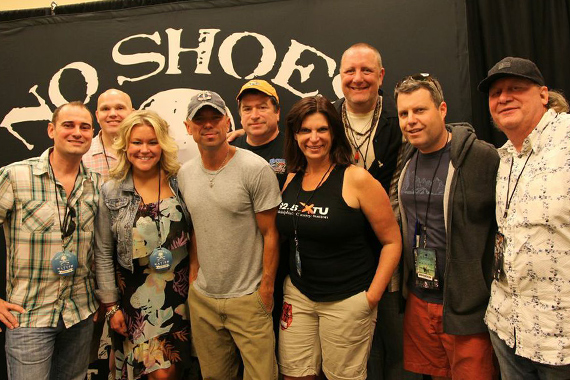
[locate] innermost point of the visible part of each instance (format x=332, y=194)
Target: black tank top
x=337, y=262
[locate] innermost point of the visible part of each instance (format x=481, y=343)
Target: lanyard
x=104, y=152
x=296, y=217
x=430, y=189
x=68, y=226
x=510, y=198
x=157, y=220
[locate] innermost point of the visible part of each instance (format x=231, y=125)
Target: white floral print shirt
x=529, y=308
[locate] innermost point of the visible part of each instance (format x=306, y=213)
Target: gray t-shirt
x=230, y=245
x=415, y=202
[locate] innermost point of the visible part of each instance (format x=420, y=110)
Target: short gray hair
x=414, y=82
x=364, y=45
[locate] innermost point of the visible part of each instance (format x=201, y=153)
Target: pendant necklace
x=367, y=134
x=217, y=171
x=357, y=145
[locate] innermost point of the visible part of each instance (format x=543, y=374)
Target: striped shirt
x=28, y=211
x=95, y=160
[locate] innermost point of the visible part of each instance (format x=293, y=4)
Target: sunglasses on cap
x=421, y=77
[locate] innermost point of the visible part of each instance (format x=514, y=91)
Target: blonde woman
x=141, y=253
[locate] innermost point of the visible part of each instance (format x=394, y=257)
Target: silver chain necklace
x=217, y=171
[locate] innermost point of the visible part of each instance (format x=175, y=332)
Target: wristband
x=109, y=314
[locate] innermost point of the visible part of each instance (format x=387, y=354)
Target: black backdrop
x=455, y=40
x=537, y=30
x=295, y=44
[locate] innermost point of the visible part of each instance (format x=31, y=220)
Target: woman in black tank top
x=328, y=210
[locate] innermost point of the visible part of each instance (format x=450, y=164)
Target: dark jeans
x=515, y=367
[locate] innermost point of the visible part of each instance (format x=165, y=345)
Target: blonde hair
x=168, y=160
x=557, y=101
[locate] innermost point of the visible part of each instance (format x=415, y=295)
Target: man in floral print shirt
x=529, y=311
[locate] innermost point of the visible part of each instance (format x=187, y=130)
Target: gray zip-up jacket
x=469, y=212
x=118, y=205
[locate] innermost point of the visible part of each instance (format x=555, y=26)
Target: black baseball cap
x=512, y=67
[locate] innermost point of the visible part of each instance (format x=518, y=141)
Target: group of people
x=370, y=240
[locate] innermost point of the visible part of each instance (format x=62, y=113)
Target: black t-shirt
x=272, y=152
x=415, y=204
x=337, y=261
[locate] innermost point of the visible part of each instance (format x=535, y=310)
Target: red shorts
x=428, y=350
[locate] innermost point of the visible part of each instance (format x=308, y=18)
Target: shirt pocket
x=37, y=216
x=117, y=209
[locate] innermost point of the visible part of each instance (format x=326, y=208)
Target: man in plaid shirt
x=48, y=206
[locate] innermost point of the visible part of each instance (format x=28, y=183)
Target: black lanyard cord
x=157, y=220
x=105, y=152
x=67, y=216
x=510, y=198
x=296, y=216
x=430, y=188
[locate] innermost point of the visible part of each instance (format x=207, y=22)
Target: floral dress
x=154, y=303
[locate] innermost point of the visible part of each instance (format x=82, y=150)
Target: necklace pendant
x=356, y=156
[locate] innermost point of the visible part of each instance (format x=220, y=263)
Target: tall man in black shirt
x=258, y=105
x=371, y=125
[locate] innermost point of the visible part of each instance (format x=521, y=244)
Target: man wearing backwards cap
x=258, y=106
x=529, y=310
x=232, y=195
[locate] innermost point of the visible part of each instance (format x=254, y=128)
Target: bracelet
x=109, y=314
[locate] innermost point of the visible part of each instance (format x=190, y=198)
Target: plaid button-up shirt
x=95, y=160
x=28, y=211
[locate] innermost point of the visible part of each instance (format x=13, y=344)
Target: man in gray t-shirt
x=232, y=195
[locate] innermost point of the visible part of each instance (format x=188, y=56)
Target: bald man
x=112, y=107
x=371, y=124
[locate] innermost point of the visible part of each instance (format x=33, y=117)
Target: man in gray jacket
x=447, y=201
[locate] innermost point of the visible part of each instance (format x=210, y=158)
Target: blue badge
x=160, y=259
x=64, y=263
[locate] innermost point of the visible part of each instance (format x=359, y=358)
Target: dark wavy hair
x=340, y=153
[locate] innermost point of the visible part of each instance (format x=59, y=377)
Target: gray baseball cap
x=512, y=67
x=205, y=98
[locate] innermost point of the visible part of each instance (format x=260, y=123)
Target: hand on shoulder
x=235, y=134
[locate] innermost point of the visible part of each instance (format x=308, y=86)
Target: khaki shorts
x=220, y=325
x=338, y=334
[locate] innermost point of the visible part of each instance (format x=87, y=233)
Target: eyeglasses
x=69, y=223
